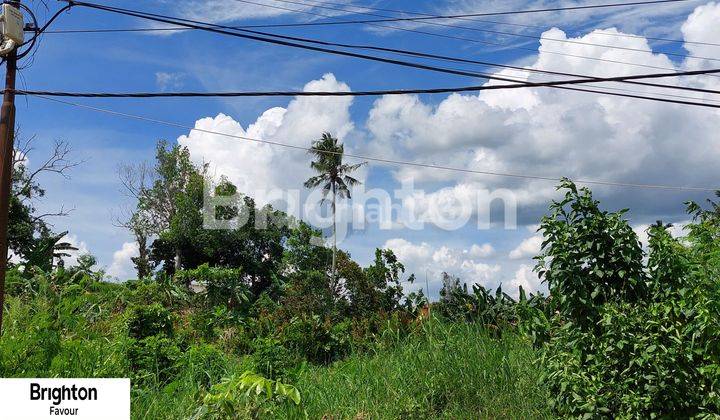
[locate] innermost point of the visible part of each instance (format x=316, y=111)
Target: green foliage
x=222, y=286
x=150, y=320
x=250, y=394
x=316, y=340
x=30, y=339
x=153, y=359
x=640, y=346
x=589, y=257
x=496, y=310
x=46, y=250
x=379, y=288
x=272, y=359
x=204, y=363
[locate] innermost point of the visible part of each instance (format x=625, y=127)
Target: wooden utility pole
x=7, y=135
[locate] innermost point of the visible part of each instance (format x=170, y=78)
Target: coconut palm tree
x=333, y=176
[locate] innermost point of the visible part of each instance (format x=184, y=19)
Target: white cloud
x=526, y=278
x=702, y=25
x=555, y=133
x=122, y=267
x=528, y=248
x=632, y=18
x=168, y=81
x=481, y=251
x=258, y=168
x=231, y=10
x=423, y=258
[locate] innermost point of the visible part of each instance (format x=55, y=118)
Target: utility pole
x=7, y=136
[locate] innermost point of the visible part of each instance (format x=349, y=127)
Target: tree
x=170, y=202
x=333, y=176
x=136, y=180
x=26, y=227
x=383, y=290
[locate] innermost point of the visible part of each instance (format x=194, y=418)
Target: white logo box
x=80, y=398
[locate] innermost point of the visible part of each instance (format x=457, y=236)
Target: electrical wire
x=515, y=12
x=348, y=93
x=467, y=28
x=520, y=25
x=281, y=41
x=244, y=27
x=377, y=159
x=325, y=43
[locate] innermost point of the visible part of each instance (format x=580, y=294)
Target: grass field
x=453, y=371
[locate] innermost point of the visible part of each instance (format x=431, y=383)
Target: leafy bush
x=316, y=340
x=222, y=286
x=204, y=363
x=589, y=257
x=247, y=395
x=630, y=341
x=150, y=320
x=272, y=359
x=29, y=341
x=153, y=359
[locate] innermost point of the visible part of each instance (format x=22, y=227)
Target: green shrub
x=90, y=358
x=631, y=341
x=149, y=320
x=589, y=257
x=248, y=395
x=643, y=362
x=204, y=363
x=317, y=341
x=222, y=286
x=272, y=359
x=29, y=341
x=153, y=359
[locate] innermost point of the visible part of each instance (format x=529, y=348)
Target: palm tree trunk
x=334, y=236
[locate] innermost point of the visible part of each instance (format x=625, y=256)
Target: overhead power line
x=246, y=27
x=290, y=41
x=518, y=85
x=435, y=56
x=380, y=160
x=494, y=22
x=467, y=28
x=510, y=12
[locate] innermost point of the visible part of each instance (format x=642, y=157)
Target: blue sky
x=544, y=132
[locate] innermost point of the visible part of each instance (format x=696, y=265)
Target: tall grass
x=454, y=371
x=441, y=370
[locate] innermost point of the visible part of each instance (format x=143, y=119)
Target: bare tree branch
x=58, y=162
x=61, y=213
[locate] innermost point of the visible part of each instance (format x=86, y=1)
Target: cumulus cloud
x=257, y=168
x=122, y=267
x=526, y=278
x=702, y=25
x=481, y=251
x=528, y=248
x=552, y=132
x=423, y=258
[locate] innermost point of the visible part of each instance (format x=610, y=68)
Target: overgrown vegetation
x=266, y=323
